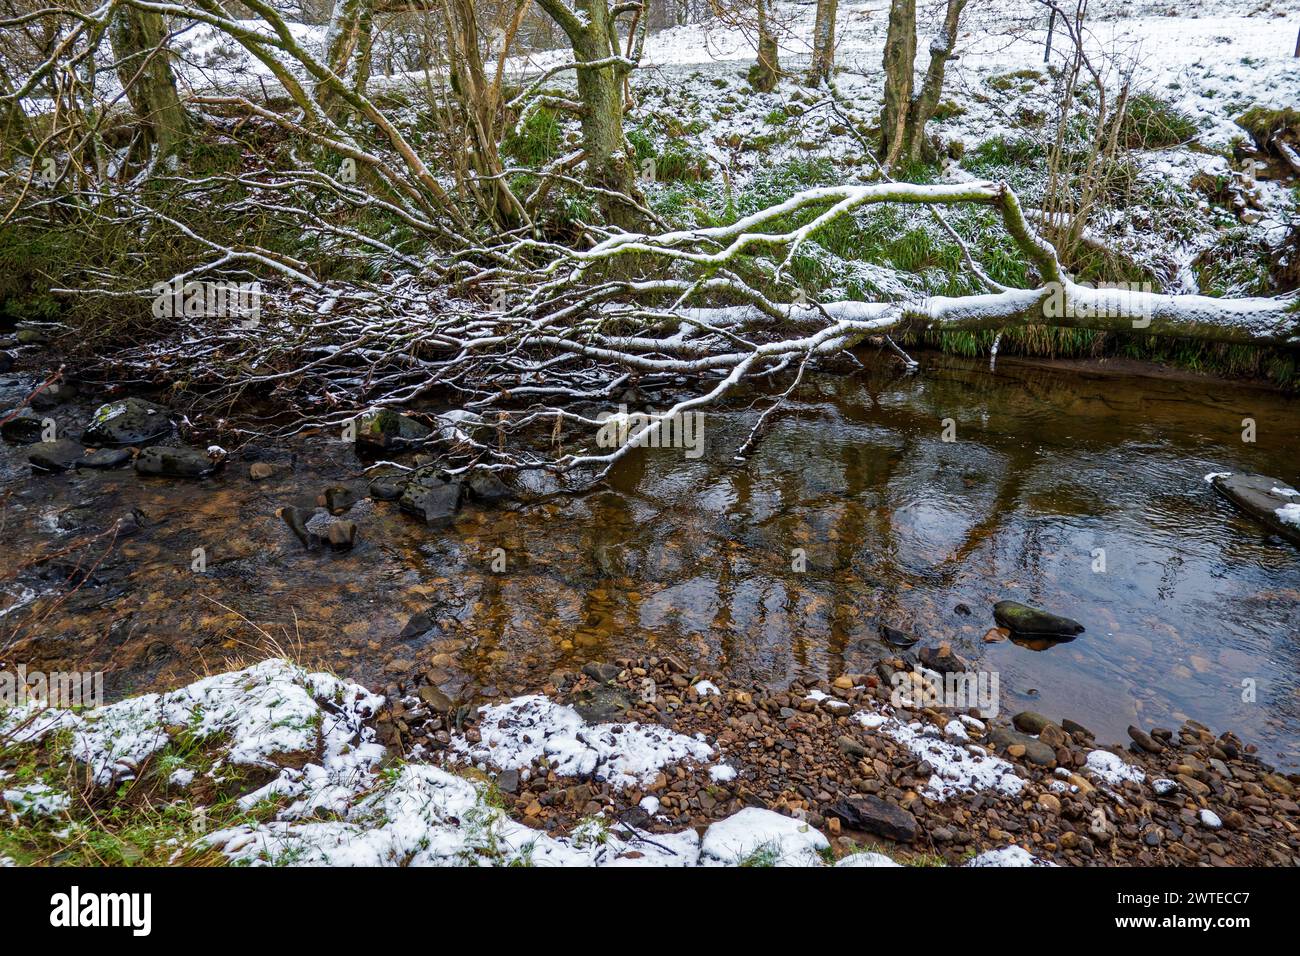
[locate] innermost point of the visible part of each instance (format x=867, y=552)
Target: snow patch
x=758, y=836
x=1112, y=769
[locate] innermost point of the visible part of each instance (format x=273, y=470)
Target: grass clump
x=1154, y=123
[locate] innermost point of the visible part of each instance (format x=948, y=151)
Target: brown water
x=696, y=558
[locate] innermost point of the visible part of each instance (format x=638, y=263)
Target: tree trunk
x=594, y=38
x=139, y=39
x=900, y=57
x=766, y=73
x=926, y=102
x=823, y=55
x=347, y=52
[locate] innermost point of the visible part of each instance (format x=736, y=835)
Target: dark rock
x=1073, y=727
x=1262, y=497
x=963, y=609
x=342, y=535
x=605, y=673
x=6, y=361
x=436, y=699
x=25, y=427
x=852, y=748
x=1144, y=740
x=602, y=704
x=59, y=455
x=183, y=462
x=943, y=660
x=427, y=495
x=508, y=781
x=131, y=421
x=53, y=395
x=386, y=429
x=1022, y=619
x=1030, y=722
x=105, y=458
x=420, y=624
x=338, y=499
x=1036, y=751
x=387, y=485
x=484, y=486
x=892, y=635
x=296, y=519
x=873, y=815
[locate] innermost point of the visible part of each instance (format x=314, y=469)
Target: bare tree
x=823, y=53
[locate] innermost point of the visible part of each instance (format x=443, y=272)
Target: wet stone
x=59, y=455
x=25, y=427
x=1030, y=621
x=429, y=496
x=183, y=462
x=105, y=458
x=130, y=421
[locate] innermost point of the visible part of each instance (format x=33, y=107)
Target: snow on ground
x=959, y=766
x=515, y=734
x=1112, y=769
x=338, y=798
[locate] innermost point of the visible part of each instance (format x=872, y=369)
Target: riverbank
x=636, y=762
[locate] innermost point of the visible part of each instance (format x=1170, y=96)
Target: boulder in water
x=59, y=455
x=385, y=429
x=24, y=428
x=1030, y=621
x=484, y=486
x=182, y=462
x=105, y=458
x=1273, y=502
x=430, y=496
x=131, y=421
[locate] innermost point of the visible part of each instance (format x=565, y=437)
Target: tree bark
x=823, y=54
x=766, y=73
x=594, y=38
x=139, y=39
x=923, y=105
x=900, y=57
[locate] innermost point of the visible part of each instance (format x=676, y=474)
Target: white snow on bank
x=756, y=835
x=517, y=733
x=1112, y=769
x=1008, y=856
x=867, y=859
x=958, y=767
x=35, y=799
x=267, y=711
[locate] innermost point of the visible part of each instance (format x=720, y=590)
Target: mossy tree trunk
x=139, y=41
x=766, y=73
x=900, y=55
x=593, y=36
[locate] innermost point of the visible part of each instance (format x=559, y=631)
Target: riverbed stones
x=260, y=470
x=895, y=637
x=1144, y=740
x=1271, y=501
x=1030, y=721
x=1032, y=622
x=165, y=461
x=386, y=429
x=129, y=421
x=341, y=535
x=59, y=455
x=428, y=495
x=296, y=519
x=602, y=704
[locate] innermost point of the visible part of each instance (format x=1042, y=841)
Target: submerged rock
x=60, y=455
x=385, y=429
x=387, y=485
x=429, y=496
x=105, y=458
x=131, y=421
x=1274, y=502
x=183, y=462
x=1023, y=619
x=892, y=635
x=485, y=486
x=296, y=519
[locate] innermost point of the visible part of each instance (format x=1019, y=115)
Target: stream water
x=891, y=524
